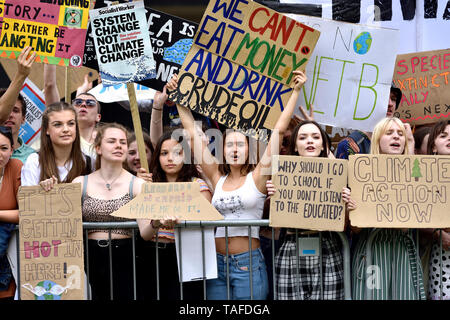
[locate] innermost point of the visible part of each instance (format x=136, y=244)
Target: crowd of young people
x=76, y=148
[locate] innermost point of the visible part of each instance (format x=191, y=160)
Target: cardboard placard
x=308, y=193
x=161, y=200
x=349, y=74
x=122, y=43
x=400, y=191
x=51, y=243
x=423, y=78
x=239, y=68
x=171, y=39
x=57, y=32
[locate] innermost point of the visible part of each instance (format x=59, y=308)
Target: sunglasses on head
x=87, y=102
x=5, y=130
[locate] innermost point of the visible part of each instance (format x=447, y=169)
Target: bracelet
x=157, y=109
x=153, y=225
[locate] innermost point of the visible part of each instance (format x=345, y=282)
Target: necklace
x=108, y=185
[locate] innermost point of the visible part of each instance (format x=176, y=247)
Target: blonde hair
x=380, y=130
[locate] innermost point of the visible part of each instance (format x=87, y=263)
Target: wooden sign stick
x=137, y=125
x=67, y=86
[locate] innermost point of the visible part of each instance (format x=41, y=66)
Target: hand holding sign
x=25, y=61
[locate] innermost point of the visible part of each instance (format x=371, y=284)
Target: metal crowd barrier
x=202, y=225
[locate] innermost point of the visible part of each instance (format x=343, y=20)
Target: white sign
x=423, y=25
x=349, y=73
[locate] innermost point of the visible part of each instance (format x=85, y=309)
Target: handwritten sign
x=51, y=243
x=171, y=39
x=239, y=69
x=309, y=193
x=423, y=78
x=122, y=43
x=350, y=73
x=161, y=200
x=56, y=30
x=400, y=191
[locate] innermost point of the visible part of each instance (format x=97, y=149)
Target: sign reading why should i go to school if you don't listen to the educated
x=349, y=73
x=308, y=193
x=55, y=31
x=423, y=78
x=122, y=43
x=239, y=68
x=400, y=191
x=51, y=243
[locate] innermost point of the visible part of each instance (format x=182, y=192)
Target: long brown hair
x=47, y=158
x=188, y=170
x=435, y=131
x=100, y=134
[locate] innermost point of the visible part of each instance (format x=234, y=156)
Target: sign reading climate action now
x=308, y=193
x=122, y=43
x=239, y=68
x=56, y=30
x=400, y=191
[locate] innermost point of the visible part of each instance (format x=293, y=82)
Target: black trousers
x=100, y=265
x=169, y=285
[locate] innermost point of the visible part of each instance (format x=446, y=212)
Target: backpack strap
x=131, y=187
x=88, y=167
x=361, y=140
x=83, y=193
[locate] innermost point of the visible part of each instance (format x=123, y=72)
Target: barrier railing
x=193, y=224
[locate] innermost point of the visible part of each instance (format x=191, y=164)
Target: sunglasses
x=5, y=130
x=87, y=102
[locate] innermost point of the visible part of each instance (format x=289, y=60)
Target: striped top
x=170, y=233
x=396, y=271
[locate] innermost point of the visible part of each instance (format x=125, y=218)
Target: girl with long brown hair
x=239, y=193
x=60, y=159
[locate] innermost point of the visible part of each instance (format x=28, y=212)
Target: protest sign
x=118, y=92
x=122, y=43
x=422, y=25
x=239, y=68
x=308, y=193
x=171, y=39
x=349, y=74
x=423, y=78
x=161, y=200
x=51, y=243
x=400, y=191
x=35, y=104
x=56, y=30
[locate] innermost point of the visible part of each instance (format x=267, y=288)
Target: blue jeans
x=239, y=266
x=6, y=230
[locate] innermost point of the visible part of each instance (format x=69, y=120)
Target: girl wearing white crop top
x=239, y=193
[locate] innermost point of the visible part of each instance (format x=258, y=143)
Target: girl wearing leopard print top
x=104, y=191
